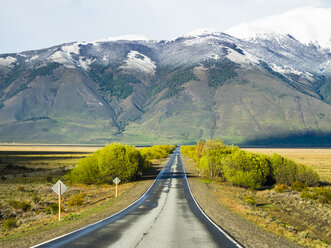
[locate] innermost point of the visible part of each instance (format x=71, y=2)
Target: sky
x=36, y=24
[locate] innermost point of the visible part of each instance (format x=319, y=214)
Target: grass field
x=319, y=159
x=50, y=148
x=27, y=161
x=31, y=171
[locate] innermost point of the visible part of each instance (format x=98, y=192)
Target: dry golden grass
x=36, y=225
x=48, y=148
x=319, y=159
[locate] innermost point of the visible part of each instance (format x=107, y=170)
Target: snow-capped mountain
x=308, y=25
x=249, y=89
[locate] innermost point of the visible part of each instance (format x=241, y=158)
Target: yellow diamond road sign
x=116, y=180
x=55, y=188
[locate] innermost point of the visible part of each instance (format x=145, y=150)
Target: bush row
x=156, y=152
x=115, y=160
x=246, y=169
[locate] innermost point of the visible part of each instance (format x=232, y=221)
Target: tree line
x=246, y=169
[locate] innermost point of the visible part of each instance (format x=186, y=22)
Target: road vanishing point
x=165, y=216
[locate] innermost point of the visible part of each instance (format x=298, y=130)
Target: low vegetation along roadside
x=318, y=159
x=274, y=192
x=116, y=160
x=30, y=215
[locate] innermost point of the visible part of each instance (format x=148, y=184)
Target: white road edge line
x=219, y=228
x=159, y=175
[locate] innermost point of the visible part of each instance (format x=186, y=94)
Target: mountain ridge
x=306, y=24
x=198, y=86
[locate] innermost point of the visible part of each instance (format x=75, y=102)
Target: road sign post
x=59, y=188
x=116, y=181
x=59, y=201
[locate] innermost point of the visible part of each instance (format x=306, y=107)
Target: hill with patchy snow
x=259, y=88
x=308, y=25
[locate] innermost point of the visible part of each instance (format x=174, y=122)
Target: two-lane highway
x=166, y=216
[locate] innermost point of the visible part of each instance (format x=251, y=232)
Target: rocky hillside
x=269, y=89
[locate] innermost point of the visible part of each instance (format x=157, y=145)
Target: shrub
x=147, y=164
x=112, y=161
x=87, y=170
x=211, y=164
x=150, y=153
x=9, y=224
x=307, y=175
x=280, y=188
x=250, y=200
x=299, y=186
x=246, y=169
x=307, y=195
x=121, y=161
x=284, y=170
x=77, y=200
x=198, y=150
x=22, y=205
x=215, y=144
x=323, y=195
x=189, y=151
x=156, y=152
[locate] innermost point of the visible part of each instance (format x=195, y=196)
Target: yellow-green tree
x=114, y=160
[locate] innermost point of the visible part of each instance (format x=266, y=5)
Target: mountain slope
x=261, y=90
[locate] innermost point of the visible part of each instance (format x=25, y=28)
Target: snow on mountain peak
x=200, y=32
x=139, y=62
x=130, y=37
x=307, y=25
x=62, y=58
x=7, y=61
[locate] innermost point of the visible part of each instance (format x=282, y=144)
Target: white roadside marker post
x=59, y=188
x=59, y=202
x=116, y=181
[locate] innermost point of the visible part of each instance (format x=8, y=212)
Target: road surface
x=166, y=216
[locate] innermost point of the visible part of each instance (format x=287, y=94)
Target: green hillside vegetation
x=30, y=75
x=46, y=70
x=116, y=160
x=246, y=169
x=220, y=71
x=8, y=79
x=173, y=82
x=112, y=85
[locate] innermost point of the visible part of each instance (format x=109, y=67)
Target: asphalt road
x=166, y=216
